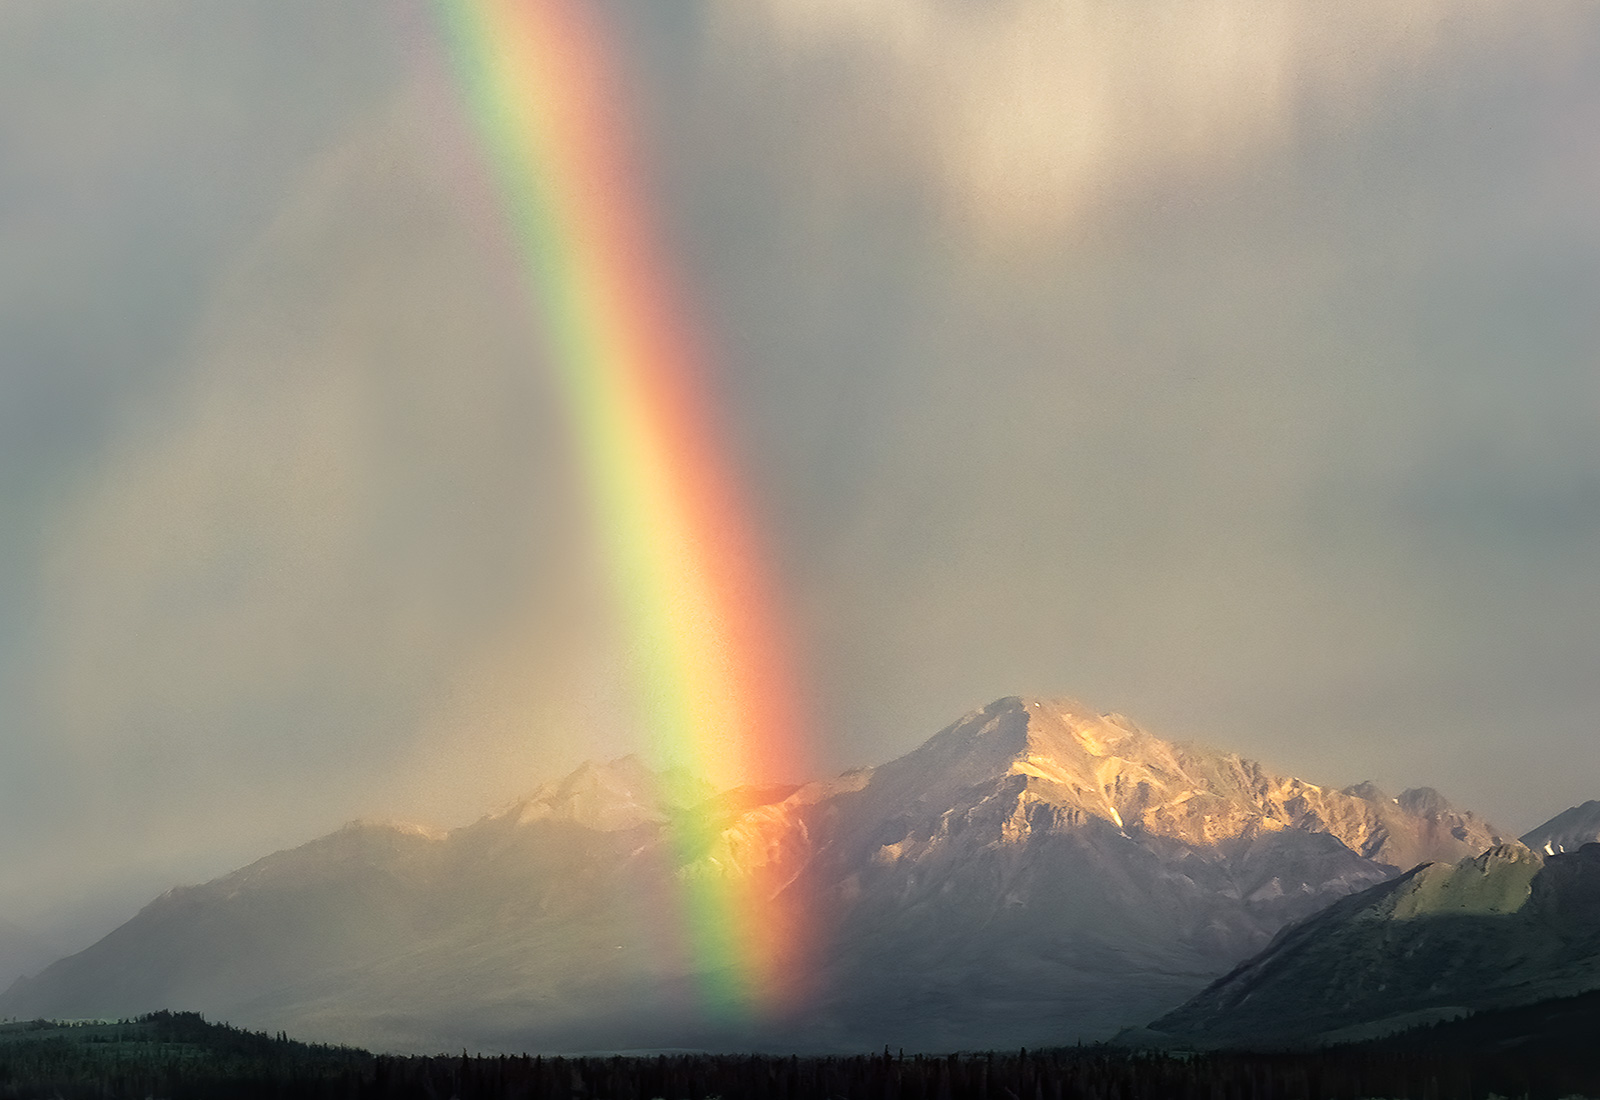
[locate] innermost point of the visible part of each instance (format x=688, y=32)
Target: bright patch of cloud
x=1036, y=115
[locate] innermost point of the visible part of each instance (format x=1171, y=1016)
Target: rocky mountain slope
x=1039, y=862
x=1508, y=927
x=1034, y=873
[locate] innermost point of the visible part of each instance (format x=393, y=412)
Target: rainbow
x=547, y=93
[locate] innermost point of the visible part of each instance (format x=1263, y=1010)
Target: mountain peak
x=1058, y=741
x=1102, y=766
x=1368, y=791
x=1023, y=724
x=1424, y=801
x=1568, y=831
x=619, y=794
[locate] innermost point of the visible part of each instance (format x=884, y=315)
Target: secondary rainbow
x=548, y=96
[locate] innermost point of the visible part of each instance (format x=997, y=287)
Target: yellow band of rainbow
x=715, y=690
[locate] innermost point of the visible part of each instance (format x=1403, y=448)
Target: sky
x=1231, y=365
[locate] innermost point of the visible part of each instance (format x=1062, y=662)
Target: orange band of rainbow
x=714, y=682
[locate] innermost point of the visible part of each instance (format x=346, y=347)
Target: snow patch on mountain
x=1568, y=831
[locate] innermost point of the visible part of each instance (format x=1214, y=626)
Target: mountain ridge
x=1034, y=872
x=1569, y=830
x=1507, y=928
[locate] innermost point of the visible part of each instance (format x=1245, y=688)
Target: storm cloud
x=1230, y=365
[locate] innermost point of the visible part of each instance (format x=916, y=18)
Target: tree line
x=180, y=1056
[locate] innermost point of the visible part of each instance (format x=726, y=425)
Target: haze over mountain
x=1506, y=928
x=22, y=951
x=1034, y=873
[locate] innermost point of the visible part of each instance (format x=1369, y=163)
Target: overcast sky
x=1229, y=364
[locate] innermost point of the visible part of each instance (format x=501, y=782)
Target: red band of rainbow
x=715, y=685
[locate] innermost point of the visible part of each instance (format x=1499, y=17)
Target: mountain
x=406, y=938
x=1505, y=928
x=1043, y=871
x=1036, y=872
x=1567, y=831
x=620, y=795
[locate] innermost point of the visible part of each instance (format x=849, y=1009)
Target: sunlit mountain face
x=1509, y=928
x=1036, y=872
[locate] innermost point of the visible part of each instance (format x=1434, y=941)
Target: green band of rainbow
x=714, y=683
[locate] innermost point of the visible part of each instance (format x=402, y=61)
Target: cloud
x=1108, y=348
x=292, y=584
x=1135, y=351
x=1037, y=115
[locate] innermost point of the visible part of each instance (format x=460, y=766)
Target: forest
x=1544, y=1052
